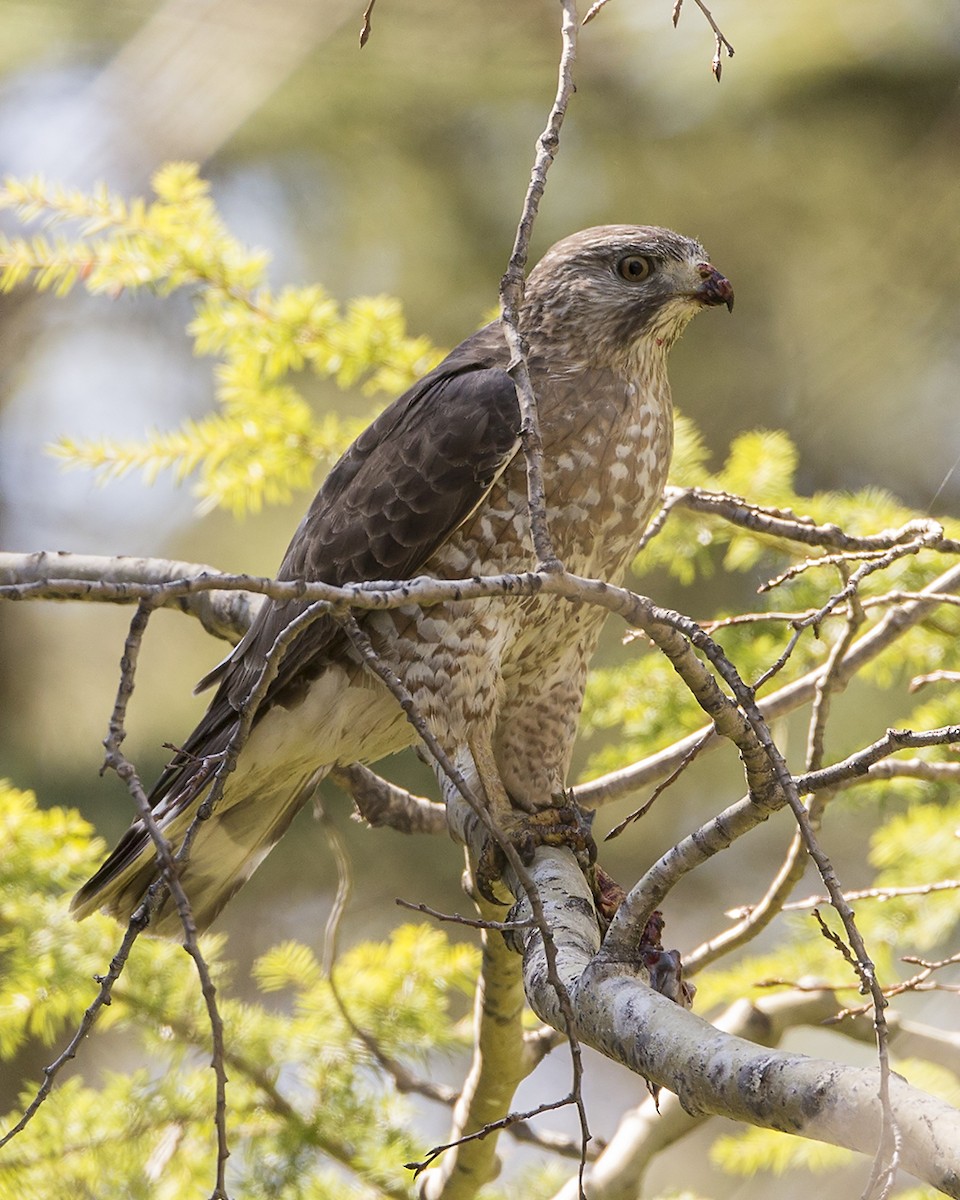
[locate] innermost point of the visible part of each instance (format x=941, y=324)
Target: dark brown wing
x=403, y=487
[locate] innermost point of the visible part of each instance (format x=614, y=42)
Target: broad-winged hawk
x=437, y=486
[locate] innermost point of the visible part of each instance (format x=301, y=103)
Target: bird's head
x=619, y=292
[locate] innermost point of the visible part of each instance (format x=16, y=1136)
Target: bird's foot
x=562, y=825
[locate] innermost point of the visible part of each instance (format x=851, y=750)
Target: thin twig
x=920, y=681
x=671, y=498
x=504, y=1123
x=366, y=26
x=511, y=296
x=784, y=523
x=469, y=922
x=876, y=561
x=789, y=697
x=115, y=760
x=871, y=561
x=341, y=899
x=920, y=982
x=169, y=880
x=858, y=764
x=721, y=42
x=877, y=893
x=661, y=787
x=593, y=10
x=85, y=1027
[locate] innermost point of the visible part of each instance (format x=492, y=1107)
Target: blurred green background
x=822, y=175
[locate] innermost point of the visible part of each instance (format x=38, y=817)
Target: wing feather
x=397, y=494
x=404, y=486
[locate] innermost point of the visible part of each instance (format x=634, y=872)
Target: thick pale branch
x=659, y=1122
x=711, y=1071
x=653, y=1126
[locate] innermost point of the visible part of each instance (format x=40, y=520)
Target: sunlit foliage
x=304, y=1097
x=264, y=441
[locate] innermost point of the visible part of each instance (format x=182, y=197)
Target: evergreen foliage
x=309, y=1114
x=264, y=442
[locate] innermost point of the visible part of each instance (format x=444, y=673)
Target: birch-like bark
x=712, y=1072
x=646, y=1131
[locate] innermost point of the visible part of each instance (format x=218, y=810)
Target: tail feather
x=249, y=820
x=342, y=717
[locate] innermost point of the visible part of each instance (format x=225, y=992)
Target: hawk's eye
x=634, y=268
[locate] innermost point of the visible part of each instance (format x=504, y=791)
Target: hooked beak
x=715, y=288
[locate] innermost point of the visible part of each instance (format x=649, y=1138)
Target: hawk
x=436, y=486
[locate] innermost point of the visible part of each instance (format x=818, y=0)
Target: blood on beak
x=715, y=288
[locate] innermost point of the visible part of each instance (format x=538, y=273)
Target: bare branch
x=760, y=915
x=511, y=296
x=660, y=1040
x=593, y=10
x=498, y=1066
x=457, y=919
x=879, y=893
x=659, y=789
x=380, y=802
x=934, y=677
x=117, y=761
x=741, y=719
x=788, y=698
x=919, y=982
x=876, y=561
x=366, y=27
x=224, y=614
x=871, y=560
x=783, y=523
x=858, y=765
x=493, y=1127
x=88, y=1020
x=721, y=42
x=460, y=791
x=771, y=784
